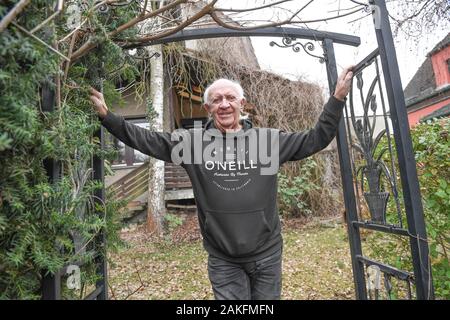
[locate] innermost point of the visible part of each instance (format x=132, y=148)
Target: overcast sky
x=410, y=54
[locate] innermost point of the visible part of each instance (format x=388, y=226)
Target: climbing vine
x=48, y=225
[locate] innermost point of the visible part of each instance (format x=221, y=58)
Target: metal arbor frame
x=411, y=192
x=366, y=272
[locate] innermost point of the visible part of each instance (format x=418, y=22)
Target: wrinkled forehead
x=223, y=88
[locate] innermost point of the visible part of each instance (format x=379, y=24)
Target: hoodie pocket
x=237, y=233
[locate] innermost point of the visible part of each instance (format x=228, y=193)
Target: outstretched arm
x=299, y=145
x=155, y=144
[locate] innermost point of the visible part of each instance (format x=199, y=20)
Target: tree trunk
x=156, y=205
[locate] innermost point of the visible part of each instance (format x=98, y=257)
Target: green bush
x=43, y=225
x=294, y=191
x=432, y=148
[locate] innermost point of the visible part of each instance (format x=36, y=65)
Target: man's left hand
x=344, y=83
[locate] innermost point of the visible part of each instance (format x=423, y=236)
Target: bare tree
x=417, y=18
x=167, y=20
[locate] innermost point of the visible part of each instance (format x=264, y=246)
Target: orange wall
x=415, y=116
x=440, y=68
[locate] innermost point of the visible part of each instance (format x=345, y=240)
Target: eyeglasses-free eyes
x=216, y=101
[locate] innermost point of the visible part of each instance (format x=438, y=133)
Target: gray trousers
x=257, y=280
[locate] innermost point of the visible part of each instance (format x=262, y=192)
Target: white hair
x=239, y=91
x=235, y=84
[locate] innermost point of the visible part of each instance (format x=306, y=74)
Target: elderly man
x=233, y=168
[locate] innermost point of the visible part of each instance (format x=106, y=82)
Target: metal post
x=347, y=181
x=407, y=163
x=100, y=198
x=51, y=283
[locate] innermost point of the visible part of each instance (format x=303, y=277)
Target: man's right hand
x=99, y=103
x=344, y=84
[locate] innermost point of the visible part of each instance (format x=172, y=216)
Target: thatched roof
x=273, y=101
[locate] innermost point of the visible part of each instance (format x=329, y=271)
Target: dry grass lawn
x=316, y=265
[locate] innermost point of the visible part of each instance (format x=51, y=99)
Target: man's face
x=224, y=105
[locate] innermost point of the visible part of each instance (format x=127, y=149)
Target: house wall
x=440, y=67
x=238, y=50
x=132, y=107
x=425, y=106
x=232, y=50
x=415, y=116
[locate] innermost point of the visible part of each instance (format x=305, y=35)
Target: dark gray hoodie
x=234, y=176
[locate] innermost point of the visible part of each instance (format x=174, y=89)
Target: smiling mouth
x=224, y=115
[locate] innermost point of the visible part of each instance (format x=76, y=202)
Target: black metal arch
x=395, y=103
x=413, y=207
x=220, y=32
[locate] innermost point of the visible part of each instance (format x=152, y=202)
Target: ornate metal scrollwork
x=104, y=7
x=373, y=170
x=288, y=42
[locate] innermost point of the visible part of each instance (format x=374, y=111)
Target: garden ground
x=316, y=263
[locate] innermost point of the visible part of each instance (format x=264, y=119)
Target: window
x=127, y=155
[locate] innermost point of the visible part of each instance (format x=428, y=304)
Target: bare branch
x=273, y=24
x=89, y=45
x=144, y=7
x=13, y=14
x=138, y=19
x=206, y=10
x=73, y=31
x=72, y=44
x=57, y=12
x=415, y=17
x=142, y=283
x=39, y=40
x=359, y=3
x=415, y=14
x=345, y=9
x=329, y=18
x=271, y=5
x=171, y=26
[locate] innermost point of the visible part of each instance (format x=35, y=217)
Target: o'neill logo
x=229, y=166
x=230, y=159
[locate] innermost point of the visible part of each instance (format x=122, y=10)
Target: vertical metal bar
x=51, y=283
x=51, y=166
x=51, y=286
x=100, y=198
x=98, y=174
x=352, y=164
x=391, y=156
x=407, y=163
x=347, y=181
x=408, y=286
x=387, y=286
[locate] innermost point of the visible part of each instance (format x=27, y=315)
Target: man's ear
x=206, y=106
x=243, y=101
